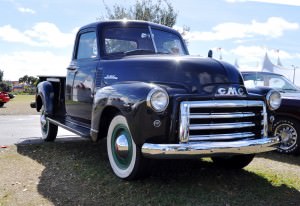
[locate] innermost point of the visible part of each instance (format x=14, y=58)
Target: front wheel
x=1, y=104
x=124, y=155
x=233, y=162
x=49, y=130
x=288, y=131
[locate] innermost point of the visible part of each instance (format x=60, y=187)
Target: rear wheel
x=288, y=131
x=233, y=162
x=49, y=130
x=124, y=155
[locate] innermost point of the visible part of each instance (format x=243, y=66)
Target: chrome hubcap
x=288, y=135
x=121, y=146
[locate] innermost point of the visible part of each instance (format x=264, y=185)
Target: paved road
x=26, y=129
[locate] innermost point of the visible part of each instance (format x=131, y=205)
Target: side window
x=87, y=46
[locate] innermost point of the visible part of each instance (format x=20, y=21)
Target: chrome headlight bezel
x=153, y=99
x=273, y=99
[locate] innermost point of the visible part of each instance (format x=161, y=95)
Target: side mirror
x=210, y=54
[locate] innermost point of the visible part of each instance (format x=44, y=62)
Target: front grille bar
x=224, y=104
x=221, y=126
x=221, y=115
x=221, y=136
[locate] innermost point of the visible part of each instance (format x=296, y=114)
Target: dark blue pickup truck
x=134, y=83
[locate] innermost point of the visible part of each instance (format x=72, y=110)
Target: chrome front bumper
x=208, y=149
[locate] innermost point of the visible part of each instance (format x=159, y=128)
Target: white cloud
x=26, y=10
x=259, y=52
x=18, y=64
x=285, y=2
x=252, y=56
x=42, y=34
x=9, y=34
x=273, y=28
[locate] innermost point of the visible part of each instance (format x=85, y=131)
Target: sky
x=37, y=36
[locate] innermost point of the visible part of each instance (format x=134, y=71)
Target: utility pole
x=220, y=53
x=294, y=67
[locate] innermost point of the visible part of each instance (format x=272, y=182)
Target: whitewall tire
x=124, y=155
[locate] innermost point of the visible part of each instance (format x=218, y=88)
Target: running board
x=72, y=127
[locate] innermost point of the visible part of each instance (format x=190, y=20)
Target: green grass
x=78, y=173
x=23, y=98
x=20, y=105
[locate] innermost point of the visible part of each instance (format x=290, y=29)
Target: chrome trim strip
x=184, y=122
x=205, y=149
x=221, y=115
x=265, y=120
x=221, y=126
x=152, y=38
x=53, y=79
x=94, y=130
x=66, y=127
x=224, y=103
x=215, y=137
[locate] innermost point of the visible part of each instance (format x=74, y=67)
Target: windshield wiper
x=290, y=90
x=160, y=52
x=139, y=51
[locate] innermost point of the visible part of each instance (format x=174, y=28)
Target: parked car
x=11, y=96
x=4, y=98
x=287, y=117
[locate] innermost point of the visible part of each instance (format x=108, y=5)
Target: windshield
x=269, y=80
x=134, y=41
x=167, y=43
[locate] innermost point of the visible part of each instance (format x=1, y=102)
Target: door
x=81, y=77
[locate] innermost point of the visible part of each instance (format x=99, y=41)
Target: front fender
x=45, y=96
x=289, y=108
x=259, y=91
x=129, y=99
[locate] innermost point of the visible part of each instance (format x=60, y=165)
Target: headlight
x=273, y=99
x=158, y=99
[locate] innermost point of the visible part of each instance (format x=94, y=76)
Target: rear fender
x=45, y=96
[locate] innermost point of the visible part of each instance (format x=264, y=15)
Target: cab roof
x=126, y=23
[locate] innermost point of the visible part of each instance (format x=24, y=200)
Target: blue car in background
x=287, y=118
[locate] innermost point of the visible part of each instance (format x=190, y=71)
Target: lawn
x=78, y=173
x=20, y=105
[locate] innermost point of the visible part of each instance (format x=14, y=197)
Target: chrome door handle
x=73, y=68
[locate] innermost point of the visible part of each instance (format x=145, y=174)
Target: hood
x=195, y=74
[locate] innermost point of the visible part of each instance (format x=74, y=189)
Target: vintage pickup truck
x=134, y=83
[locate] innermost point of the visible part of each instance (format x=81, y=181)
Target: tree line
x=28, y=81
x=157, y=11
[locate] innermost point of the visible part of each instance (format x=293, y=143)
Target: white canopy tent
x=290, y=73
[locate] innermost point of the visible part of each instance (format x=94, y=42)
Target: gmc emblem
x=231, y=91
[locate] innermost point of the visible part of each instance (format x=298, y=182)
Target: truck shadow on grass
x=285, y=158
x=78, y=173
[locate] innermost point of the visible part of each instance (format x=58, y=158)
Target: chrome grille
x=222, y=120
